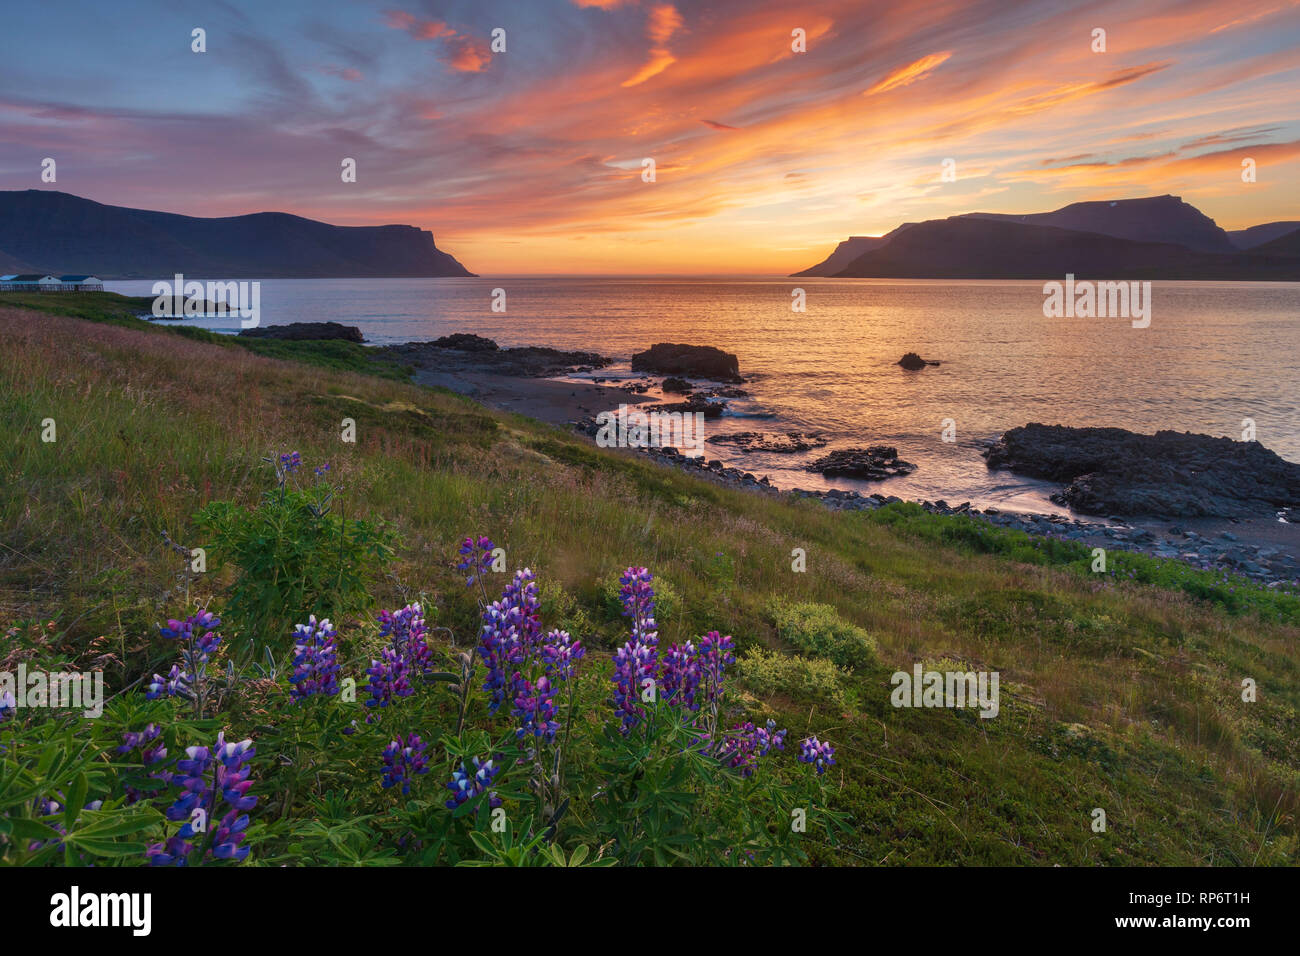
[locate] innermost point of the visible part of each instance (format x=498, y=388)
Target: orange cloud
x=909, y=73
x=663, y=22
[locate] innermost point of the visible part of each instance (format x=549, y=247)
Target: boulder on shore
x=1112, y=471
x=301, y=331
x=700, y=361
x=873, y=464
x=913, y=362
x=465, y=342
x=677, y=386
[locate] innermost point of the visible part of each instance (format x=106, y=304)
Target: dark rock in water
x=874, y=463
x=1113, y=471
x=677, y=386
x=913, y=362
x=764, y=441
x=693, y=404
x=701, y=361
x=300, y=331
x=724, y=391
x=465, y=342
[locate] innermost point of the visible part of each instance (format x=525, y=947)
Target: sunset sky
x=529, y=161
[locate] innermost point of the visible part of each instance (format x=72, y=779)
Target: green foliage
x=818, y=630
x=803, y=678
x=293, y=555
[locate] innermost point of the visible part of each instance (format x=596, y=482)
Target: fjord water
x=1215, y=353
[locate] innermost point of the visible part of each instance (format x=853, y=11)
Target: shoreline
x=1264, y=550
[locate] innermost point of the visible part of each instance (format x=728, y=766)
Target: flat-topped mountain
x=60, y=233
x=1159, y=237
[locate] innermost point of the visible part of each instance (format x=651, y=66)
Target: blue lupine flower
x=535, y=707
x=389, y=678
x=476, y=558
x=634, y=664
x=681, y=675
x=820, y=755
x=315, y=660
x=175, y=684
x=638, y=596
x=407, y=633
x=561, y=653
x=465, y=785
x=201, y=775
x=746, y=744
x=511, y=635
x=290, y=462
x=8, y=704
x=404, y=759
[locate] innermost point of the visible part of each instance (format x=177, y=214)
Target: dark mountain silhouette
x=848, y=250
x=972, y=248
x=1158, y=237
x=1286, y=246
x=1265, y=232
x=1152, y=219
x=60, y=233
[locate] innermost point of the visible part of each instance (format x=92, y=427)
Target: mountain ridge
x=58, y=232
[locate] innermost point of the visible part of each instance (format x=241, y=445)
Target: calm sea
x=1215, y=353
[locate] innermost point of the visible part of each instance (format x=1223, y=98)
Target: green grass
x=1123, y=693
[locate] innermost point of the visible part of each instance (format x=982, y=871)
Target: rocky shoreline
x=1217, y=549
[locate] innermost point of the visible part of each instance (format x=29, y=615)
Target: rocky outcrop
x=872, y=464
x=300, y=331
x=465, y=342
x=1112, y=471
x=677, y=386
x=700, y=361
x=695, y=403
x=912, y=362
x=787, y=443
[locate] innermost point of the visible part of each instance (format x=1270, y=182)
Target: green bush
x=818, y=630
x=813, y=678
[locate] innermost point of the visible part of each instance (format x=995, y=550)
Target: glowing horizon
x=529, y=161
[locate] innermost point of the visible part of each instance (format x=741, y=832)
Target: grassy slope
x=1124, y=697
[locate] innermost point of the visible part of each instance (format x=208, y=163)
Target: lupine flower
x=198, y=630
x=716, y=654
x=465, y=786
x=633, y=665
x=389, y=679
x=638, y=596
x=681, y=676
x=746, y=744
x=404, y=760
x=175, y=684
x=820, y=755
x=406, y=630
x=315, y=660
x=511, y=634
x=150, y=753
x=561, y=653
x=476, y=558
x=321, y=470
x=535, y=707
x=201, y=776
x=8, y=704
x=290, y=462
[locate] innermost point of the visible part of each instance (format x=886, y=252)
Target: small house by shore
x=35, y=282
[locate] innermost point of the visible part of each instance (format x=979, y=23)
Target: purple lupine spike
x=175, y=684
x=742, y=748
x=818, y=753
x=403, y=760
x=716, y=654
x=638, y=596
x=407, y=632
x=681, y=674
x=315, y=660
x=465, y=785
x=511, y=635
x=475, y=558
x=634, y=664
x=389, y=679
x=535, y=707
x=201, y=776
x=561, y=653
